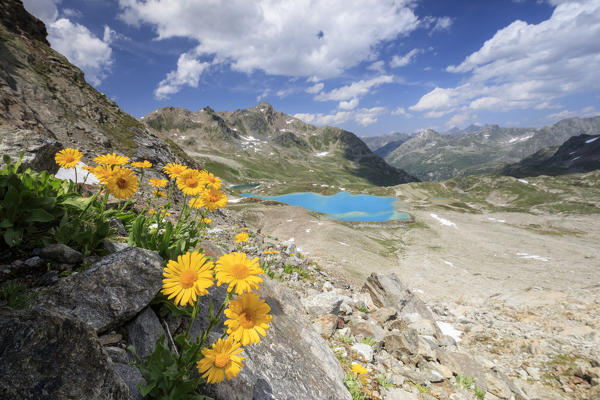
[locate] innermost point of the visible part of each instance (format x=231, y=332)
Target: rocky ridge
x=576, y=155
x=46, y=104
x=260, y=143
x=431, y=156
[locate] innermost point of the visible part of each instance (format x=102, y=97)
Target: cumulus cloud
x=187, y=73
x=81, y=47
x=348, y=105
x=437, y=24
x=459, y=119
x=401, y=61
x=527, y=65
x=377, y=66
x=355, y=89
x=316, y=88
x=401, y=111
x=320, y=38
x=589, y=111
x=363, y=116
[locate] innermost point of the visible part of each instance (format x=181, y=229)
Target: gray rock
x=47, y=356
x=118, y=226
x=109, y=292
x=291, y=362
x=35, y=262
x=324, y=303
x=364, y=351
x=398, y=394
x=368, y=328
x=389, y=291
x=113, y=247
x=132, y=377
x=384, y=314
x=326, y=325
x=60, y=253
x=48, y=279
x=39, y=149
x=144, y=331
x=463, y=364
x=402, y=343
x=497, y=387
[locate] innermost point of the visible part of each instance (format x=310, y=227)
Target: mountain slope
x=432, y=156
x=260, y=143
x=377, y=144
x=46, y=104
x=578, y=154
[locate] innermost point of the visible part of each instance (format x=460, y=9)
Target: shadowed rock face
x=44, y=356
x=109, y=292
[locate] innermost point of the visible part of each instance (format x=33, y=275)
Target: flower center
x=191, y=182
x=213, y=198
x=240, y=271
x=122, y=183
x=248, y=319
x=69, y=159
x=221, y=360
x=188, y=278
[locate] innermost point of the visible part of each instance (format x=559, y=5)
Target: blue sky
x=370, y=66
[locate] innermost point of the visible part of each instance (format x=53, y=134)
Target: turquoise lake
x=343, y=206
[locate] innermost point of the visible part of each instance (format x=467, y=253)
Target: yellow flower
x=68, y=158
x=359, y=369
x=221, y=361
x=174, y=170
x=151, y=211
x=158, y=193
x=122, y=183
x=111, y=159
x=141, y=164
x=210, y=180
x=214, y=199
x=158, y=183
x=102, y=172
x=271, y=252
x=241, y=237
x=207, y=220
x=240, y=272
x=196, y=202
x=190, y=182
x=248, y=317
x=187, y=278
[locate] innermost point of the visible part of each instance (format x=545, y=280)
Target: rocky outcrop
x=46, y=356
x=46, y=104
x=109, y=292
x=291, y=362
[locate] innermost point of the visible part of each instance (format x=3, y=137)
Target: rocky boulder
x=109, y=292
x=292, y=362
x=45, y=356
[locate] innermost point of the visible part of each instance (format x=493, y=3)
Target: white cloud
x=401, y=111
x=81, y=47
x=589, y=111
x=527, y=65
x=279, y=37
x=401, y=61
x=377, y=66
x=363, y=116
x=316, y=88
x=71, y=12
x=437, y=24
x=355, y=89
x=459, y=119
x=187, y=73
x=348, y=105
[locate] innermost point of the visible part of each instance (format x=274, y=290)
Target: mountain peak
x=16, y=19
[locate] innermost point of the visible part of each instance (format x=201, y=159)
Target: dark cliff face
x=579, y=154
x=46, y=104
x=17, y=20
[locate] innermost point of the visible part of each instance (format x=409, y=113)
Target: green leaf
x=145, y=389
x=39, y=215
x=13, y=237
x=78, y=202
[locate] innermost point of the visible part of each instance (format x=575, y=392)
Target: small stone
x=48, y=279
x=326, y=325
x=364, y=351
x=60, y=253
x=384, y=314
x=144, y=331
x=113, y=247
x=118, y=226
x=109, y=338
x=35, y=262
